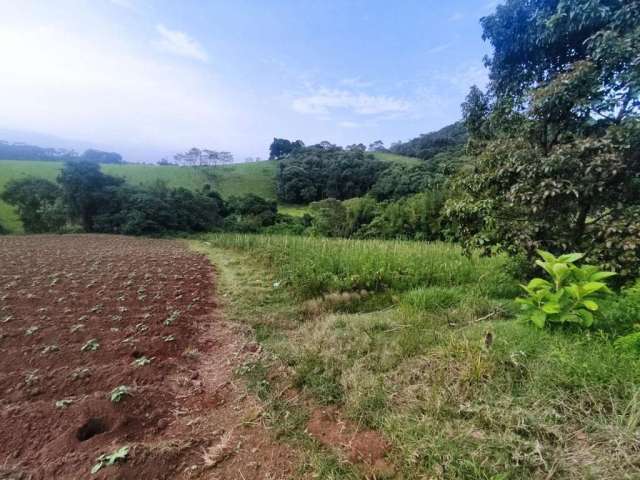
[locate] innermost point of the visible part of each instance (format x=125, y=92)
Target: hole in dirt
x=91, y=428
x=137, y=354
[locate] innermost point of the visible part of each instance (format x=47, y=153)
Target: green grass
x=314, y=266
x=258, y=178
x=401, y=159
x=459, y=386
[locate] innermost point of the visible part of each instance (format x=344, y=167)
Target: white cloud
x=326, y=100
x=179, y=43
x=439, y=48
x=98, y=89
x=456, y=17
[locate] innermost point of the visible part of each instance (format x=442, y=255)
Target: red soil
x=365, y=448
x=137, y=298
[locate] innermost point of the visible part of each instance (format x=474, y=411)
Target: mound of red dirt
x=111, y=342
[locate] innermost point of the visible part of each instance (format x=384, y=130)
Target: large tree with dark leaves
x=557, y=135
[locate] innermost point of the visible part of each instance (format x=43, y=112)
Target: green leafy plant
x=106, y=460
x=64, y=403
x=142, y=361
x=91, y=346
x=120, y=393
x=569, y=297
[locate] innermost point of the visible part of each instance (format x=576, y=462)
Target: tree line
x=24, y=151
x=84, y=199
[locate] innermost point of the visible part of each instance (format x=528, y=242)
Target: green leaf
x=548, y=257
x=538, y=283
x=551, y=307
x=591, y=305
x=601, y=276
x=570, y=257
x=538, y=318
x=586, y=316
x=592, y=287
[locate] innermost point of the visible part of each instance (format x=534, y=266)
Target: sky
x=150, y=78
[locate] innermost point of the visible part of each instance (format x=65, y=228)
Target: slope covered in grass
x=258, y=178
x=439, y=364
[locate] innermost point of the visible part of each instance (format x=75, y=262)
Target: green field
x=258, y=178
x=401, y=159
x=422, y=344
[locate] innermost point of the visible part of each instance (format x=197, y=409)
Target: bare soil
x=125, y=300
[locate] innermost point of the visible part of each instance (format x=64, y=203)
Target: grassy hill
x=258, y=178
x=395, y=158
x=240, y=179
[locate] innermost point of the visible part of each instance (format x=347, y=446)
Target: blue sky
x=149, y=78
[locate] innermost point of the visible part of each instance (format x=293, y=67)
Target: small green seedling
x=105, y=460
x=91, y=346
x=141, y=362
x=169, y=338
x=50, y=348
x=64, y=403
x=172, y=317
x=31, y=330
x=76, y=327
x=120, y=393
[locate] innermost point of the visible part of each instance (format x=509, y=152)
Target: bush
x=39, y=204
x=250, y=213
x=157, y=210
x=571, y=295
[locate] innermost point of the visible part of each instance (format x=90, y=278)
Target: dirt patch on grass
x=365, y=448
x=81, y=316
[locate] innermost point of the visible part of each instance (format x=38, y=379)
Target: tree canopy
x=557, y=135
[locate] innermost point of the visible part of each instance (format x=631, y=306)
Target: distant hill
x=228, y=180
x=428, y=145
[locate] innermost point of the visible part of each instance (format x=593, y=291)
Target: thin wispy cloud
x=355, y=82
x=439, y=48
x=179, y=43
x=456, y=17
x=328, y=100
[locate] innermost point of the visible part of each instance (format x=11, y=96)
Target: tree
x=557, y=136
x=281, y=147
x=86, y=190
x=98, y=156
x=377, y=146
x=316, y=173
x=39, y=204
x=356, y=147
x=329, y=217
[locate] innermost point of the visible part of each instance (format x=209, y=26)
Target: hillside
x=430, y=144
x=258, y=178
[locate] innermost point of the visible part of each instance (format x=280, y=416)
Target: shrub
x=38, y=202
x=570, y=296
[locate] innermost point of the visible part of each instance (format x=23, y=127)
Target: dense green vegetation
x=228, y=180
x=449, y=139
x=23, y=151
x=86, y=199
x=326, y=171
x=424, y=345
x=556, y=138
